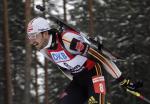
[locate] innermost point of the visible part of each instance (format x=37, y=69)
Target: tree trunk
x=46, y=70
x=8, y=83
x=46, y=81
x=28, y=56
x=36, y=81
x=91, y=28
x=65, y=12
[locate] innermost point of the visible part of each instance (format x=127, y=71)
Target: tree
x=8, y=82
x=28, y=57
x=1, y=54
x=90, y=13
x=36, y=80
x=64, y=8
x=16, y=21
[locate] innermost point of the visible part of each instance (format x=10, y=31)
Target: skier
x=68, y=50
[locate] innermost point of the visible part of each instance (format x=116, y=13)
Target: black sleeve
x=79, y=46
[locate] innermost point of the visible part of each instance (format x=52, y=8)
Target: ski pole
x=139, y=95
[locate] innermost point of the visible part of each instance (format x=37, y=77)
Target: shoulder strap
x=60, y=39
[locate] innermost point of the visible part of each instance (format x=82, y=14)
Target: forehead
x=30, y=27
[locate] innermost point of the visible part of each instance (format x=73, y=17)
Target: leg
x=95, y=98
x=73, y=95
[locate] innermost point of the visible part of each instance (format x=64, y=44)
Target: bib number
x=99, y=84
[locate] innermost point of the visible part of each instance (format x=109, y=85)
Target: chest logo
x=60, y=56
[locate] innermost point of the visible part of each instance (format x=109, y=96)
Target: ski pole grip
x=40, y=8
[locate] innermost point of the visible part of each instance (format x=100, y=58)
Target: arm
x=114, y=71
x=75, y=44
x=109, y=66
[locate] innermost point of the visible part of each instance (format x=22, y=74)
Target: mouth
x=37, y=46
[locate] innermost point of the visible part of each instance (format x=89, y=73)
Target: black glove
x=128, y=84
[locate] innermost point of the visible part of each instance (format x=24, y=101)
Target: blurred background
x=27, y=78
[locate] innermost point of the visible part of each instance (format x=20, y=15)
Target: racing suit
x=69, y=51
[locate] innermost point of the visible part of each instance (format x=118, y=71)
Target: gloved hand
x=128, y=84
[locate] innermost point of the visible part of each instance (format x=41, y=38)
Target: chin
x=42, y=45
x=38, y=48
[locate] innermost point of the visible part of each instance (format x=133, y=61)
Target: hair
x=52, y=31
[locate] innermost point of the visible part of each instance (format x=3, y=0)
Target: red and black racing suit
x=83, y=62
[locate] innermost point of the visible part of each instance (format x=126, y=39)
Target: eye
x=32, y=35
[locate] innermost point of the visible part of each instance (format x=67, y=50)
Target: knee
x=63, y=94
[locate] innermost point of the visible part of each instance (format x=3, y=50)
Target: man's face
x=40, y=40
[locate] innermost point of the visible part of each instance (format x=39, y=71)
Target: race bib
x=60, y=56
x=99, y=84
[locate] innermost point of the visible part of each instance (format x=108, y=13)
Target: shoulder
x=69, y=35
x=74, y=42
x=67, y=38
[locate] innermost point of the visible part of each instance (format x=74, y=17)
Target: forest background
x=124, y=26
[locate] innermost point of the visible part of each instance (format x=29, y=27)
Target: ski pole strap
x=137, y=94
